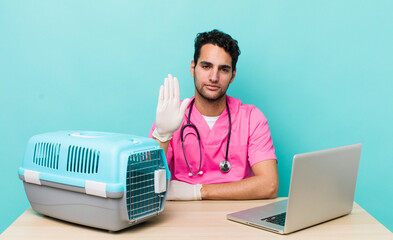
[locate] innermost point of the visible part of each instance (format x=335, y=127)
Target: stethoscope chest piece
x=225, y=166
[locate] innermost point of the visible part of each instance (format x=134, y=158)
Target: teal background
x=321, y=71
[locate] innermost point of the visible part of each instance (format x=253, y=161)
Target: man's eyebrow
x=206, y=63
x=225, y=66
x=210, y=64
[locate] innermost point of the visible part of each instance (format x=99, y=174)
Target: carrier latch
x=160, y=181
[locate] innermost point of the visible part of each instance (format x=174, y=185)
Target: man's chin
x=213, y=98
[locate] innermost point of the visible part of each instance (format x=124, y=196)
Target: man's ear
x=233, y=75
x=192, y=68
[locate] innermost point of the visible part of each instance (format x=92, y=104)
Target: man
x=235, y=157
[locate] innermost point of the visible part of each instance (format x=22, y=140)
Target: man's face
x=212, y=73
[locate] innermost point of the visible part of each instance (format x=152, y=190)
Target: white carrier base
x=105, y=213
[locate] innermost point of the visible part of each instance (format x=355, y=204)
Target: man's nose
x=214, y=75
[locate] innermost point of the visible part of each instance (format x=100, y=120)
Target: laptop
x=322, y=188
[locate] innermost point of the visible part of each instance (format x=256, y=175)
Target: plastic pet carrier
x=103, y=180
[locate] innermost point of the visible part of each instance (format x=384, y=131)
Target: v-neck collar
x=214, y=135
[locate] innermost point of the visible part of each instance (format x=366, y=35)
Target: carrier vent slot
x=47, y=154
x=141, y=197
x=82, y=160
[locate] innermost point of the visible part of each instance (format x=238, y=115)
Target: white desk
x=197, y=220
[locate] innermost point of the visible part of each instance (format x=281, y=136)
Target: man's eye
x=225, y=70
x=205, y=66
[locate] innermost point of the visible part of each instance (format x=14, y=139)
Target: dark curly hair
x=220, y=39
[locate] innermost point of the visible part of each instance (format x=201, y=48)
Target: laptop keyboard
x=278, y=219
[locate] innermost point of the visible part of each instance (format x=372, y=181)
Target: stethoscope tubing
x=200, y=148
x=224, y=165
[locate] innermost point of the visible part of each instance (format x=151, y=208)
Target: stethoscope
x=225, y=166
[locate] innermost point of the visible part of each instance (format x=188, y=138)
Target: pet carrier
x=103, y=180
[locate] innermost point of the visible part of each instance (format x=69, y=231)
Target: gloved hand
x=170, y=113
x=183, y=191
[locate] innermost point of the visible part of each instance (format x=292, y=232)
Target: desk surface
x=197, y=220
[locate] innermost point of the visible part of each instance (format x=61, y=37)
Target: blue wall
x=321, y=71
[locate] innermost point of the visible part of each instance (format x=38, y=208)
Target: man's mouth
x=212, y=87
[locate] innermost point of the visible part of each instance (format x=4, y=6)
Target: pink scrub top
x=250, y=143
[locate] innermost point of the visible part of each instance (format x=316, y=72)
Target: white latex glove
x=183, y=191
x=170, y=113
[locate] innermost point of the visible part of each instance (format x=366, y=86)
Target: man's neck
x=210, y=108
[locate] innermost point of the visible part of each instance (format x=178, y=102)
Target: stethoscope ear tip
x=199, y=173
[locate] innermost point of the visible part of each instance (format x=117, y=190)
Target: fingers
x=171, y=85
x=161, y=96
x=167, y=113
x=170, y=90
x=184, y=106
x=176, y=89
x=166, y=89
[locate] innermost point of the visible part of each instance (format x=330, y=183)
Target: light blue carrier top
x=78, y=158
